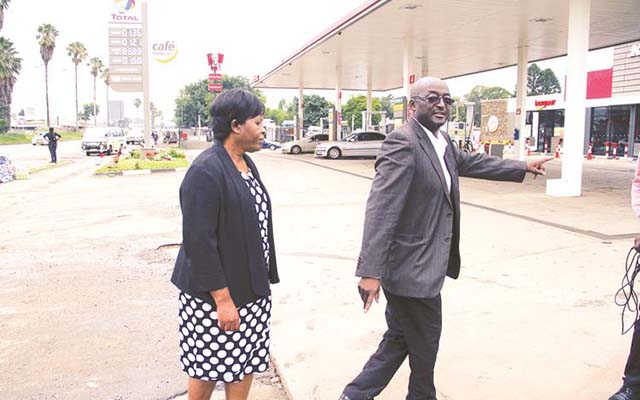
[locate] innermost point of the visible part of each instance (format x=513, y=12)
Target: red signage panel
x=215, y=87
x=215, y=77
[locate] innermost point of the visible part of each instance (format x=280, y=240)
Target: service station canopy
x=443, y=38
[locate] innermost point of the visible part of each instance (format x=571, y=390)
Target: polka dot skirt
x=211, y=354
x=207, y=352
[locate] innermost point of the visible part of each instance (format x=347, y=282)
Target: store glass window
x=619, y=127
x=599, y=122
x=610, y=125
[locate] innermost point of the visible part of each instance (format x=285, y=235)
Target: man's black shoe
x=625, y=393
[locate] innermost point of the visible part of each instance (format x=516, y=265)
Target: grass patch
x=25, y=137
x=134, y=164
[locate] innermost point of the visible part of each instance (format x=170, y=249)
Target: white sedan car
x=364, y=144
x=304, y=145
x=40, y=139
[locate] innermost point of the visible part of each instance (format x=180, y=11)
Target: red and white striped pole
x=615, y=150
x=590, y=152
x=606, y=149
x=546, y=146
x=626, y=151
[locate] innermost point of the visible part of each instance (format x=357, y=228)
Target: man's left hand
x=536, y=167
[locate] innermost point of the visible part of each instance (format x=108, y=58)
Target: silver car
x=304, y=145
x=364, y=144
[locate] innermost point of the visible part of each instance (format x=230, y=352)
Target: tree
x=96, y=66
x=155, y=113
x=4, y=4
x=89, y=110
x=106, y=78
x=315, y=107
x=137, y=103
x=387, y=105
x=78, y=53
x=352, y=111
x=277, y=115
x=10, y=66
x=47, y=35
x=458, y=110
x=195, y=99
x=479, y=93
x=541, y=81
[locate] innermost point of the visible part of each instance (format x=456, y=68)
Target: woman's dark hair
x=235, y=104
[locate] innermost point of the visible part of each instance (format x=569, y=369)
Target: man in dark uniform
x=53, y=138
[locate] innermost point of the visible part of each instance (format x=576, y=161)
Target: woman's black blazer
x=221, y=243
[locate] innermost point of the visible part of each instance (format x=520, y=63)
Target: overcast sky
x=254, y=36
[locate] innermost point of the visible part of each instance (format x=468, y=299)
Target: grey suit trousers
x=413, y=328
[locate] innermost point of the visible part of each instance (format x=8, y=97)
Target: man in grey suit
x=411, y=238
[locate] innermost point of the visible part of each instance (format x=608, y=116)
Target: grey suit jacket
x=412, y=223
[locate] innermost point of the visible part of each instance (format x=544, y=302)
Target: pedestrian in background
x=53, y=138
x=630, y=389
x=411, y=238
x=154, y=136
x=227, y=258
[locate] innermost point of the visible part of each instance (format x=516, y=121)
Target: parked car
x=40, y=139
x=7, y=170
x=170, y=137
x=135, y=136
x=305, y=145
x=271, y=145
x=103, y=140
x=357, y=144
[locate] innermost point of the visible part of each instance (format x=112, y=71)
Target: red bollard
x=606, y=149
x=615, y=151
x=590, y=152
x=626, y=151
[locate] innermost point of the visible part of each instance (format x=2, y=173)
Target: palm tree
x=10, y=66
x=96, y=66
x=107, y=81
x=137, y=103
x=155, y=113
x=47, y=35
x=3, y=5
x=78, y=53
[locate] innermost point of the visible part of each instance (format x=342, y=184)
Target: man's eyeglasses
x=434, y=99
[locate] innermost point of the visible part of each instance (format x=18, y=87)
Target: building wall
x=499, y=109
x=626, y=69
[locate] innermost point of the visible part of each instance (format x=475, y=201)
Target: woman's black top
x=221, y=243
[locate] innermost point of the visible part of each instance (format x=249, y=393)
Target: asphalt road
x=86, y=307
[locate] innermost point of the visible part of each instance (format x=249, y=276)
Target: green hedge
x=25, y=137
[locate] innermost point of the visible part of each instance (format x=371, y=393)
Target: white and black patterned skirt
x=208, y=353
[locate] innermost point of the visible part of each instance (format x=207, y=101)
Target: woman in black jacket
x=227, y=259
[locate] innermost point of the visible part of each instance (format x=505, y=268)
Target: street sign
x=215, y=87
x=215, y=77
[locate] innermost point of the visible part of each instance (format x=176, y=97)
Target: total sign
x=164, y=52
x=126, y=12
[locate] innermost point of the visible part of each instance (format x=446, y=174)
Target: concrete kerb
x=139, y=172
x=280, y=374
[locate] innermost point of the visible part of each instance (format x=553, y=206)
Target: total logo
x=164, y=52
x=125, y=11
x=123, y=6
